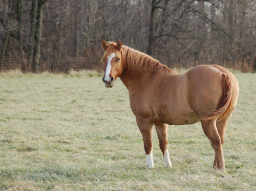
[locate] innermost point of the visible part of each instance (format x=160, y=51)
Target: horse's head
x=112, y=62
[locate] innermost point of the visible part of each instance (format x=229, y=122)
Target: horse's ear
x=104, y=45
x=119, y=45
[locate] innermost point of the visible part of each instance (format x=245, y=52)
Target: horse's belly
x=184, y=119
x=192, y=118
x=177, y=119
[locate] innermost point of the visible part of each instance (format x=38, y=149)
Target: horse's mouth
x=109, y=85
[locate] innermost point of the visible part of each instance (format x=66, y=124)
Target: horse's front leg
x=145, y=125
x=161, y=130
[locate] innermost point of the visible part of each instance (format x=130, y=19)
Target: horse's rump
x=224, y=105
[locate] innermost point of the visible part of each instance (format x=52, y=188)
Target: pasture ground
x=69, y=132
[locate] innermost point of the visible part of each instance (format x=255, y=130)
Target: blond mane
x=139, y=63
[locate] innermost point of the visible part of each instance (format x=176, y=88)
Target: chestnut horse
x=160, y=96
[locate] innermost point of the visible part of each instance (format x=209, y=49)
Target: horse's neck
x=137, y=67
x=126, y=81
x=127, y=77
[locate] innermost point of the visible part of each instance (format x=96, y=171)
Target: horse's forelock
x=113, y=44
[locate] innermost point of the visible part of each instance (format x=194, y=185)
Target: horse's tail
x=224, y=106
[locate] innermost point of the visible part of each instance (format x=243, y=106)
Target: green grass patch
x=69, y=132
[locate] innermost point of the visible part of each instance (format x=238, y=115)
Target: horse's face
x=112, y=62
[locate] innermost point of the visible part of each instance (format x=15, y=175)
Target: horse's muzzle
x=110, y=83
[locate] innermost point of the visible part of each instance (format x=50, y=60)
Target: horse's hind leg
x=221, y=126
x=210, y=130
x=161, y=130
x=145, y=125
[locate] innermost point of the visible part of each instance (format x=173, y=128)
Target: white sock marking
x=167, y=161
x=149, y=160
x=108, y=69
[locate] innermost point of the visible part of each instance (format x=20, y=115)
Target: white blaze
x=149, y=160
x=167, y=161
x=108, y=69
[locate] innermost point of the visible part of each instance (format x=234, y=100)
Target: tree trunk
x=231, y=32
x=38, y=34
x=152, y=28
x=32, y=32
x=59, y=35
x=19, y=19
x=254, y=63
x=76, y=39
x=3, y=49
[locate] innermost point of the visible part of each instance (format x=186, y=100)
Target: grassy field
x=69, y=132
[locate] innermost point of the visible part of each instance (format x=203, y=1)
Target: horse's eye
x=117, y=59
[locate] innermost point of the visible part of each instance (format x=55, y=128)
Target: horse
x=160, y=96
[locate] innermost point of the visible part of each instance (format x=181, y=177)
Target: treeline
x=39, y=35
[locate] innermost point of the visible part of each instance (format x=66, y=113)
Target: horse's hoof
x=219, y=169
x=150, y=166
x=168, y=165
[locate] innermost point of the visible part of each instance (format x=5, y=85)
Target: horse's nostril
x=103, y=79
x=112, y=79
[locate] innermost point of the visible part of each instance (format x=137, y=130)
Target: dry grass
x=68, y=132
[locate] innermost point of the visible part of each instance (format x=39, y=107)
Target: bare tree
x=180, y=33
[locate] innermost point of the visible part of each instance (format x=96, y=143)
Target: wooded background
x=40, y=35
